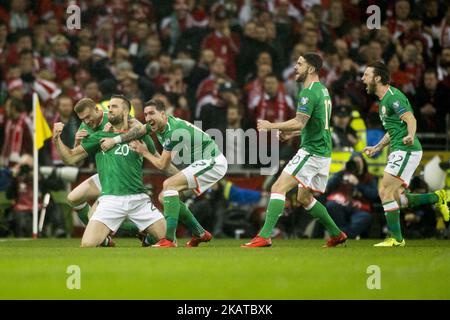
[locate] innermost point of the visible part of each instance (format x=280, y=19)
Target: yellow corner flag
x=42, y=130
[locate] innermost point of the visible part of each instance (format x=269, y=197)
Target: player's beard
x=115, y=120
x=372, y=87
x=301, y=77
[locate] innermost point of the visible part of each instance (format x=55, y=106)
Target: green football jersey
x=392, y=106
x=91, y=131
x=120, y=169
x=188, y=141
x=315, y=102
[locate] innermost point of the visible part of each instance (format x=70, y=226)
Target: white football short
x=203, y=174
x=309, y=170
x=403, y=164
x=112, y=210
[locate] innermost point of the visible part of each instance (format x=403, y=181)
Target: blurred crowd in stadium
x=226, y=63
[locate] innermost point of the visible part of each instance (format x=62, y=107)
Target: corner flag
x=43, y=131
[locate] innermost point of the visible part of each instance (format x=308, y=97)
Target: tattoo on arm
x=302, y=119
x=134, y=133
x=384, y=141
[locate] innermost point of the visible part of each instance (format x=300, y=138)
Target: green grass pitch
x=290, y=269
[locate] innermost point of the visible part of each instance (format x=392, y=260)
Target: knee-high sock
x=411, y=200
x=392, y=213
x=317, y=210
x=172, y=212
x=274, y=210
x=82, y=212
x=129, y=226
x=188, y=219
x=149, y=239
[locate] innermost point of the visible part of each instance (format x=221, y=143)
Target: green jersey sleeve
x=91, y=144
x=148, y=129
x=399, y=105
x=306, y=102
x=168, y=145
x=150, y=145
x=81, y=127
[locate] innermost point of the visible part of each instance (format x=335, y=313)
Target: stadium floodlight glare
x=67, y=174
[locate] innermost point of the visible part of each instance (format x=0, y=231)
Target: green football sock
x=274, y=210
x=392, y=213
x=105, y=242
x=188, y=219
x=149, y=239
x=83, y=213
x=318, y=211
x=129, y=226
x=172, y=212
x=416, y=199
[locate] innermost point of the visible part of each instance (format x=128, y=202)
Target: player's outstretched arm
x=286, y=135
x=68, y=156
x=161, y=163
x=171, y=170
x=137, y=130
x=370, y=151
x=411, y=124
x=295, y=124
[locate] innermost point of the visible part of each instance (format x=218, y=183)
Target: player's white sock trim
x=390, y=206
x=80, y=206
x=309, y=206
x=171, y=193
x=277, y=196
x=403, y=200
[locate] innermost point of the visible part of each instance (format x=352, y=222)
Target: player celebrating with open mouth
x=120, y=172
x=398, y=120
x=205, y=165
x=310, y=167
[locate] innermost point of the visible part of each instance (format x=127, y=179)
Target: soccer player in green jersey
x=120, y=172
x=398, y=120
x=310, y=167
x=93, y=120
x=205, y=165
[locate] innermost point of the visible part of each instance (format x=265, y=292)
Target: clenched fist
x=57, y=129
x=263, y=125
x=80, y=135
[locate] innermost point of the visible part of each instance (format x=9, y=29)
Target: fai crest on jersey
x=383, y=110
x=166, y=143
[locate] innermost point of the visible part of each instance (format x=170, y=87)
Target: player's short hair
x=124, y=99
x=380, y=70
x=158, y=104
x=83, y=104
x=314, y=60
